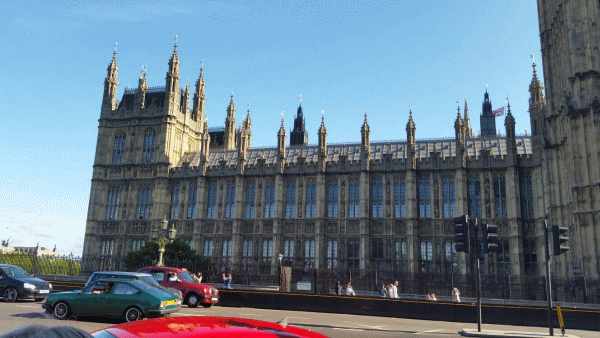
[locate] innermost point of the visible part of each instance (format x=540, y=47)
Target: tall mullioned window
x=401, y=255
x=399, y=198
x=448, y=196
x=211, y=207
x=290, y=200
x=309, y=253
x=143, y=202
x=332, y=254
x=174, y=210
x=354, y=199
x=267, y=252
x=332, y=199
x=191, y=207
x=149, y=146
x=526, y=196
x=424, y=198
x=504, y=259
x=377, y=198
x=208, y=247
x=474, y=197
x=530, y=255
x=112, y=203
x=247, y=253
x=250, y=196
x=108, y=247
x=269, y=199
x=377, y=253
x=500, y=197
x=119, y=148
x=227, y=251
x=230, y=200
x=288, y=252
x=426, y=256
x=353, y=253
x=451, y=261
x=136, y=245
x=311, y=199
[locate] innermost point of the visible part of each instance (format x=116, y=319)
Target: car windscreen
x=15, y=271
x=150, y=280
x=149, y=288
x=186, y=276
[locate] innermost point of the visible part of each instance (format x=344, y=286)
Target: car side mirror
x=80, y=292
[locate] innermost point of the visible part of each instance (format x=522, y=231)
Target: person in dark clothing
x=383, y=291
x=338, y=288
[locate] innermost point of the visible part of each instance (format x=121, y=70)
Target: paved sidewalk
x=511, y=334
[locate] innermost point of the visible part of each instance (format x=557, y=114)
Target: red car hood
x=200, y=326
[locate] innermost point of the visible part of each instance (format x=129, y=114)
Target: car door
x=89, y=302
x=160, y=276
x=121, y=296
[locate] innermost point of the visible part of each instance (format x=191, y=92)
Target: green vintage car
x=123, y=298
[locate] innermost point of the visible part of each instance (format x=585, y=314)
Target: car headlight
x=28, y=286
x=50, y=285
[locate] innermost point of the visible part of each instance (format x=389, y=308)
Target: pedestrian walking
x=199, y=277
x=455, y=295
x=383, y=291
x=350, y=290
x=395, y=290
x=338, y=288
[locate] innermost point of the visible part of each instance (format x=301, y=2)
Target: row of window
x=332, y=202
x=148, y=148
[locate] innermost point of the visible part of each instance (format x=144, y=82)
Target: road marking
x=429, y=331
x=378, y=327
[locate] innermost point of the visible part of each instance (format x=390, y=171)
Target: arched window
x=149, y=145
x=354, y=199
x=332, y=254
x=399, y=198
x=250, y=195
x=269, y=199
x=500, y=196
x=230, y=200
x=424, y=198
x=332, y=199
x=377, y=198
x=119, y=148
x=311, y=198
x=143, y=202
x=290, y=200
x=112, y=203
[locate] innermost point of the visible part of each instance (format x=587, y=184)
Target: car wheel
x=133, y=314
x=192, y=300
x=10, y=295
x=61, y=310
x=206, y=305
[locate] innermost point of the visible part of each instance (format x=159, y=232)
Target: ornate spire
x=467, y=121
x=247, y=120
x=299, y=136
x=410, y=129
x=281, y=139
x=323, y=134
x=230, y=125
x=365, y=132
x=111, y=82
x=535, y=88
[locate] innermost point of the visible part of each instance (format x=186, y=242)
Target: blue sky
x=341, y=56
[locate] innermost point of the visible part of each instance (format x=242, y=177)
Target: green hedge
x=42, y=265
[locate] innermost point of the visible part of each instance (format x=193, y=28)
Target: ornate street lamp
x=163, y=241
x=280, y=270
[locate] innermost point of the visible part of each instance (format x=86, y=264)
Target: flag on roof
x=498, y=112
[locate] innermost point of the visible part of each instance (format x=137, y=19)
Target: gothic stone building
x=364, y=205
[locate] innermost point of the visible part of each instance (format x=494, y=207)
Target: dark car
x=129, y=299
x=130, y=275
x=205, y=327
x=193, y=293
x=16, y=283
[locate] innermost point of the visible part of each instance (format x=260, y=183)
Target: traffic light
x=559, y=236
x=490, y=239
x=462, y=234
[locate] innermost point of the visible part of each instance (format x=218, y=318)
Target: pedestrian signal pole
x=478, y=254
x=548, y=286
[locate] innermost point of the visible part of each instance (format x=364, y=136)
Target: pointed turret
x=109, y=99
x=281, y=139
x=537, y=103
x=247, y=126
x=467, y=122
x=365, y=133
x=299, y=136
x=185, y=99
x=410, y=131
x=229, y=137
x=199, y=98
x=459, y=128
x=322, y=135
x=172, y=87
x=142, y=90
x=509, y=123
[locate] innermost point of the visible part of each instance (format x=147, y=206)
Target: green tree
x=177, y=250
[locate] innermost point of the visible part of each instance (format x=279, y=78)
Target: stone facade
x=363, y=205
x=567, y=129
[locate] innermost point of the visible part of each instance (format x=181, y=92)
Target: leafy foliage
x=42, y=265
x=177, y=250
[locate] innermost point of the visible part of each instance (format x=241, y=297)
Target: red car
x=193, y=293
x=196, y=326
